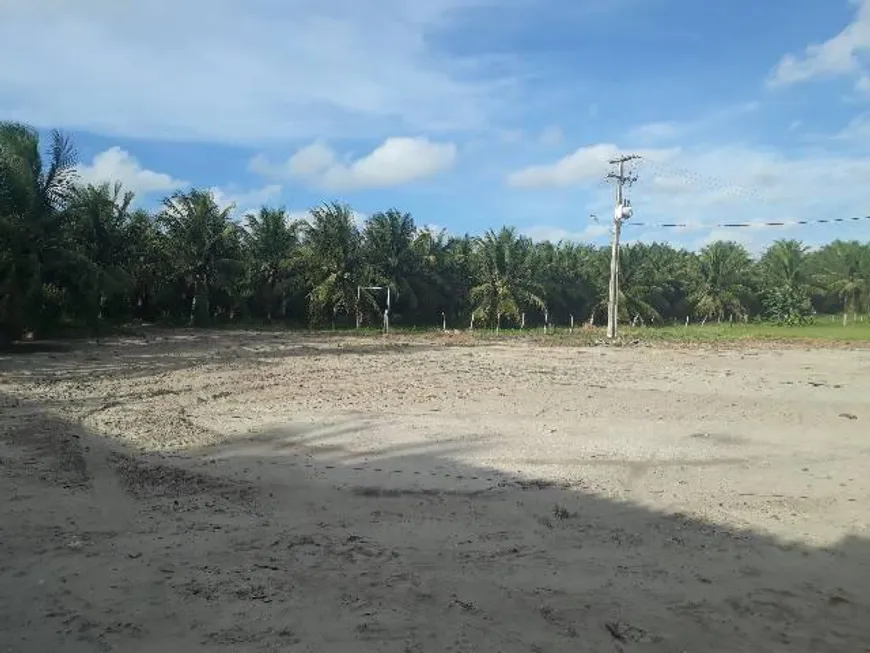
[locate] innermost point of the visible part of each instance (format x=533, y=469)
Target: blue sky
x=469, y=114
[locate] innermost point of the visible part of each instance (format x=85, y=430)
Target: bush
x=787, y=306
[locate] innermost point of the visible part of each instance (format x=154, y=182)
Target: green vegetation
x=822, y=329
x=77, y=257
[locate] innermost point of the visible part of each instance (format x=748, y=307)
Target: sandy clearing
x=248, y=492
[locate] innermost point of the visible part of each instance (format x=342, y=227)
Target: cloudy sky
x=469, y=114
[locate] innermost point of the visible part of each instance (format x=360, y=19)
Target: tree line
x=76, y=255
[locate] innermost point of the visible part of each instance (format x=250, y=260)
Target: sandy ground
x=272, y=492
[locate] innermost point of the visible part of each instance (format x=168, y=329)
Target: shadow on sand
x=287, y=541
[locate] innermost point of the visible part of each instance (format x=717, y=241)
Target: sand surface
x=196, y=491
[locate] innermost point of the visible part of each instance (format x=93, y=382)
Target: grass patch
x=825, y=330
x=822, y=331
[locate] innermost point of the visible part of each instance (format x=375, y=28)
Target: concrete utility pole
x=621, y=213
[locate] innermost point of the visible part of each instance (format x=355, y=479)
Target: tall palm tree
x=272, y=243
x=641, y=288
x=506, y=280
x=430, y=282
x=785, y=265
x=675, y=272
x=786, y=282
x=843, y=268
x=567, y=272
x=388, y=241
x=456, y=271
x=332, y=256
x=98, y=218
x=722, y=287
x=150, y=263
x=204, y=243
x=33, y=252
x=652, y=281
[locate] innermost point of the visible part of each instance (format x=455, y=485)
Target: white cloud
x=721, y=177
x=434, y=229
x=840, y=55
x=359, y=218
x=755, y=239
x=584, y=165
x=552, y=234
x=311, y=161
x=395, y=162
x=295, y=216
x=707, y=186
x=740, y=180
x=116, y=164
x=246, y=201
x=227, y=71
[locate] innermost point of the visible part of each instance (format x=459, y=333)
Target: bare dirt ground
x=273, y=492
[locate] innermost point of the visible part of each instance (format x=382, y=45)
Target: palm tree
x=272, y=243
x=843, y=269
x=785, y=265
x=786, y=282
x=652, y=281
x=456, y=272
x=429, y=281
x=33, y=252
x=149, y=263
x=641, y=287
x=332, y=256
x=564, y=273
x=98, y=223
x=506, y=281
x=722, y=288
x=675, y=272
x=392, y=259
x=204, y=243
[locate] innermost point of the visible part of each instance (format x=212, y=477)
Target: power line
x=726, y=225
x=683, y=177
x=692, y=177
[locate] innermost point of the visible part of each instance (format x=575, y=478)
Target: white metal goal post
x=359, y=290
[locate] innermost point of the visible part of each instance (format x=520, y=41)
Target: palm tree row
x=73, y=254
